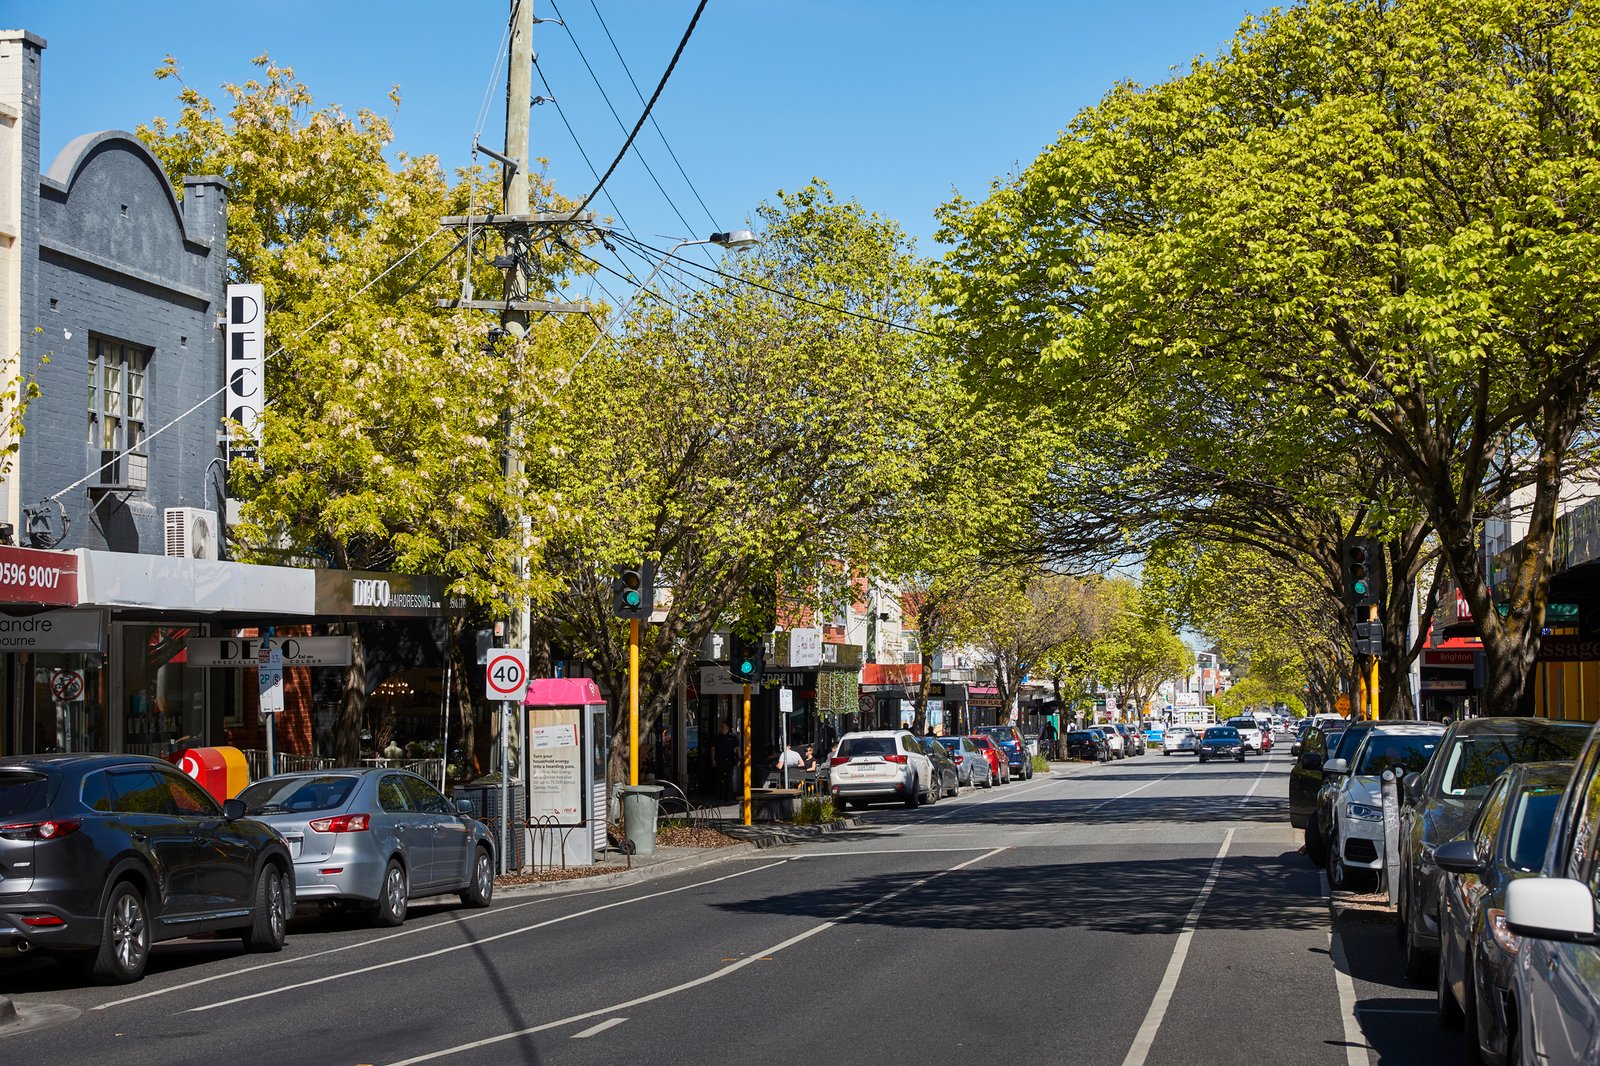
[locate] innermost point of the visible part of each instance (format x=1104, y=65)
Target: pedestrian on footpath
x=724, y=760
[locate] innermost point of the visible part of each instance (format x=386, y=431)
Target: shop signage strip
x=1568, y=649
x=29, y=576
x=241, y=652
x=83, y=631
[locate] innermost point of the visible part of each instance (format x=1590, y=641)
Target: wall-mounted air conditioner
x=191, y=532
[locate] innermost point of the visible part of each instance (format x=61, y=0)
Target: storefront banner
x=124, y=579
x=1567, y=649
x=241, y=652
x=1444, y=684
x=717, y=681
x=805, y=647
x=53, y=631
x=366, y=594
x=1458, y=657
x=29, y=576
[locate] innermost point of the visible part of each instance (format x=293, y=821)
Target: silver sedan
x=1180, y=740
x=378, y=837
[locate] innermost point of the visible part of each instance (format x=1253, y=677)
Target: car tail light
x=960, y=759
x=894, y=758
x=1508, y=941
x=42, y=921
x=343, y=823
x=838, y=760
x=46, y=830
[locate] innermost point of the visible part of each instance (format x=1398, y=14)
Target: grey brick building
x=111, y=295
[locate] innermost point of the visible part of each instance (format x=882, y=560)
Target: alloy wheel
x=128, y=932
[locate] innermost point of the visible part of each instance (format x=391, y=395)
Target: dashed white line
x=704, y=979
x=596, y=1029
x=1180, y=951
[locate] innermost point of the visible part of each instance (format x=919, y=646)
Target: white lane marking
x=704, y=979
x=1355, y=1044
x=1153, y=1018
x=410, y=930
x=1425, y=1009
x=881, y=851
x=476, y=943
x=595, y=1029
x=1141, y=788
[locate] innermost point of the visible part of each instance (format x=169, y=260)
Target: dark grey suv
x=103, y=855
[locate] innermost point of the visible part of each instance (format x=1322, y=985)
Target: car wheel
x=955, y=789
x=480, y=891
x=1446, y=1010
x=393, y=894
x=1203, y=757
x=1239, y=757
x=1316, y=848
x=1338, y=874
x=124, y=938
x=271, y=922
x=934, y=792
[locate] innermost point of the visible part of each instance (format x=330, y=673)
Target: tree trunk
x=461, y=695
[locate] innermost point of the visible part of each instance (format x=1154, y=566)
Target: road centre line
x=704, y=979
x=1141, y=788
x=1153, y=1018
x=477, y=943
x=882, y=851
x=595, y=1030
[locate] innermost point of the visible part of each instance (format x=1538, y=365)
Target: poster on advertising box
x=555, y=765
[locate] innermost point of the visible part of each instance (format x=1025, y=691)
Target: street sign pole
x=505, y=790
x=506, y=679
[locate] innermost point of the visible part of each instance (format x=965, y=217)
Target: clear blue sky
x=896, y=103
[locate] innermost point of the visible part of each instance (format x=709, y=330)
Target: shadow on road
x=1104, y=811
x=1150, y=896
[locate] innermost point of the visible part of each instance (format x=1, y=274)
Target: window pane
x=187, y=796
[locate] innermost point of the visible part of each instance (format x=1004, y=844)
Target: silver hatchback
x=379, y=837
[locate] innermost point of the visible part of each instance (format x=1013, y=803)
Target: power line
x=682, y=44
x=655, y=125
x=780, y=292
x=605, y=96
x=537, y=69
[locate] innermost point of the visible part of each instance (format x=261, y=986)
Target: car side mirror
x=1294, y=749
x=1412, y=784
x=1551, y=908
x=1311, y=760
x=465, y=806
x=233, y=809
x=1459, y=857
x=1336, y=766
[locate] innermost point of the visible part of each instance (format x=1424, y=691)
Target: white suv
x=1249, y=732
x=1356, y=851
x=882, y=764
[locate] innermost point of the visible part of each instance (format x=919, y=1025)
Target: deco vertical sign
x=246, y=369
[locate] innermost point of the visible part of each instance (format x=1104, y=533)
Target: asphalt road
x=1151, y=911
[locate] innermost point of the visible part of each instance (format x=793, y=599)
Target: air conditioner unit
x=191, y=533
x=113, y=471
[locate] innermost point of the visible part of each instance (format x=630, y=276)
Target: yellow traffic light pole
x=1372, y=684
x=633, y=701
x=746, y=745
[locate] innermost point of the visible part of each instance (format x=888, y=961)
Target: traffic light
x=633, y=592
x=746, y=659
x=1359, y=563
x=1369, y=638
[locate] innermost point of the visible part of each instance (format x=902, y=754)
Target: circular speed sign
x=506, y=677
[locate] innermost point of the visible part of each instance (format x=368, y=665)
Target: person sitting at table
x=808, y=761
x=787, y=759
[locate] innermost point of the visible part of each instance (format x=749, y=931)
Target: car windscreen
x=1222, y=732
x=1530, y=827
x=1474, y=760
x=21, y=793
x=1000, y=733
x=1403, y=753
x=1349, y=741
x=292, y=795
x=949, y=743
x=852, y=747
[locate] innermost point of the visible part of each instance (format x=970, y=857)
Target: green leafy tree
x=1138, y=652
x=1376, y=214
x=386, y=420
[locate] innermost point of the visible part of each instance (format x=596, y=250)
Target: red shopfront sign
x=1462, y=657
x=38, y=577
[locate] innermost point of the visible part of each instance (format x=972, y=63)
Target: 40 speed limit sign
x=506, y=676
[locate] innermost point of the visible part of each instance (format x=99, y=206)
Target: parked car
x=1119, y=745
x=946, y=778
x=378, y=838
x=1221, y=742
x=1319, y=827
x=1250, y=733
x=1441, y=802
x=1557, y=990
x=1355, y=848
x=1015, y=748
x=1305, y=776
x=103, y=855
x=1131, y=742
x=880, y=764
x=1087, y=744
x=1477, y=950
x=999, y=766
x=972, y=765
x=1180, y=739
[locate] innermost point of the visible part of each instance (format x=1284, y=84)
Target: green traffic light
x=631, y=597
x=1360, y=588
x=747, y=667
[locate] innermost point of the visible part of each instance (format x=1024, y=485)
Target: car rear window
x=1530, y=831
x=1222, y=732
x=998, y=732
x=21, y=793
x=1474, y=760
x=294, y=794
x=949, y=743
x=850, y=747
